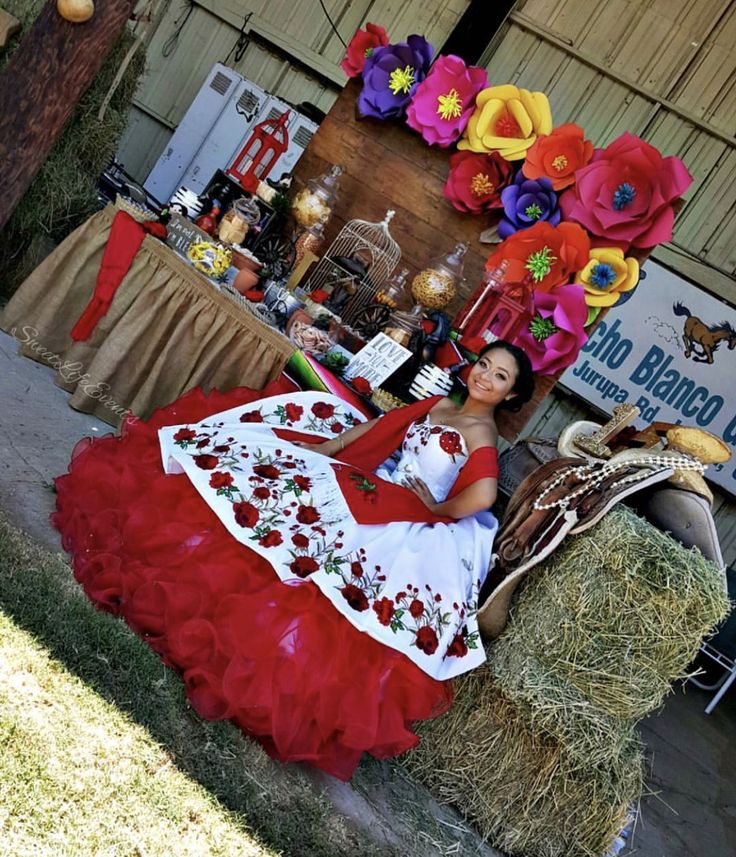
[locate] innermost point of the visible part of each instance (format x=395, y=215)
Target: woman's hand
x=329, y=447
x=420, y=489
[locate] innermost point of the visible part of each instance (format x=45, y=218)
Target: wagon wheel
x=372, y=319
x=278, y=254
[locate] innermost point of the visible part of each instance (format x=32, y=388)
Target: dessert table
x=168, y=329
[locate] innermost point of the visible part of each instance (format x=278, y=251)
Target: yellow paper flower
x=607, y=275
x=507, y=120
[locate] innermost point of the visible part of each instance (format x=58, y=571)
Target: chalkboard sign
x=182, y=233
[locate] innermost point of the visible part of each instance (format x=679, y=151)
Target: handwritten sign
x=182, y=233
x=377, y=360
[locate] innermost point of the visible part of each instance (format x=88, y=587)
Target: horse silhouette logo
x=702, y=340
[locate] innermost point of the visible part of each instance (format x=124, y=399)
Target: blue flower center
x=624, y=195
x=602, y=276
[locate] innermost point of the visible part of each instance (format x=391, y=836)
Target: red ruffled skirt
x=275, y=658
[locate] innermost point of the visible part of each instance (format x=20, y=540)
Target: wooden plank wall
x=387, y=166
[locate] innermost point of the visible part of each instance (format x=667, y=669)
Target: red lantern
x=264, y=147
x=502, y=310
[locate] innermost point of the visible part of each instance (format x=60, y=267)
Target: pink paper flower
x=624, y=196
x=361, y=47
x=475, y=181
x=556, y=333
x=444, y=101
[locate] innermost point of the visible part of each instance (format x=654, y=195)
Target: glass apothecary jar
x=314, y=203
x=435, y=287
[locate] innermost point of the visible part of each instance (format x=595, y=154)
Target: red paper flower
x=550, y=253
x=558, y=155
x=361, y=47
x=624, y=196
x=444, y=101
x=427, y=640
x=475, y=181
x=319, y=296
x=361, y=385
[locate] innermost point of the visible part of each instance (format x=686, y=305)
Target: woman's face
x=492, y=378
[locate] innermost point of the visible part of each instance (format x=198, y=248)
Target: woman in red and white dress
x=307, y=587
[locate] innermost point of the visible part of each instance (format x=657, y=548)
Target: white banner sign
x=669, y=350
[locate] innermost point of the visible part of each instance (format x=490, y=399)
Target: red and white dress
x=316, y=602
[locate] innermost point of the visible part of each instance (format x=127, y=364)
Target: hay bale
x=524, y=791
x=540, y=749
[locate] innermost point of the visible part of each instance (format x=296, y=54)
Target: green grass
x=100, y=753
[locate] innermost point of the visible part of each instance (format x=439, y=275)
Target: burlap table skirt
x=167, y=330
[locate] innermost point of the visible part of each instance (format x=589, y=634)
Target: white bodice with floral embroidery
x=412, y=586
x=434, y=453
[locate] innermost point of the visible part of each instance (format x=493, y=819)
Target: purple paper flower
x=390, y=76
x=556, y=333
x=444, y=102
x=526, y=202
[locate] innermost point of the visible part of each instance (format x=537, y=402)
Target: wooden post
x=42, y=84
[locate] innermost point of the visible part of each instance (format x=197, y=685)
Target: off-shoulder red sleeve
x=482, y=464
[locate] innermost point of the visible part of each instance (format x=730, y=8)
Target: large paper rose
x=624, y=196
x=361, y=46
x=556, y=333
x=551, y=254
x=607, y=276
x=526, y=202
x=390, y=76
x=557, y=156
x=475, y=181
x=507, y=120
x=445, y=99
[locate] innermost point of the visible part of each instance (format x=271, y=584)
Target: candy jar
x=310, y=241
x=314, y=203
x=236, y=223
x=436, y=285
x=395, y=294
x=402, y=325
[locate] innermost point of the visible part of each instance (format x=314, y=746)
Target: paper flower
x=607, y=276
x=390, y=76
x=551, y=254
x=475, y=181
x=526, y=202
x=556, y=333
x=445, y=99
x=558, y=155
x=624, y=196
x=361, y=46
x=507, y=120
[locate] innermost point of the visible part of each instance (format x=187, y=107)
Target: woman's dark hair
x=524, y=385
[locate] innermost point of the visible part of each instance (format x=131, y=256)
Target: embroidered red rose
x=336, y=428
x=356, y=569
x=450, y=442
x=293, y=412
x=271, y=539
x=300, y=541
x=303, y=482
x=416, y=608
x=246, y=514
x=427, y=640
x=361, y=385
x=221, y=480
x=267, y=471
x=322, y=410
x=384, y=609
x=262, y=493
x=400, y=596
x=224, y=447
x=202, y=443
x=457, y=648
x=307, y=515
x=355, y=597
x=206, y=462
x=303, y=566
x=184, y=434
x=251, y=417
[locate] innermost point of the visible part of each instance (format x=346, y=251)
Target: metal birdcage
x=357, y=264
